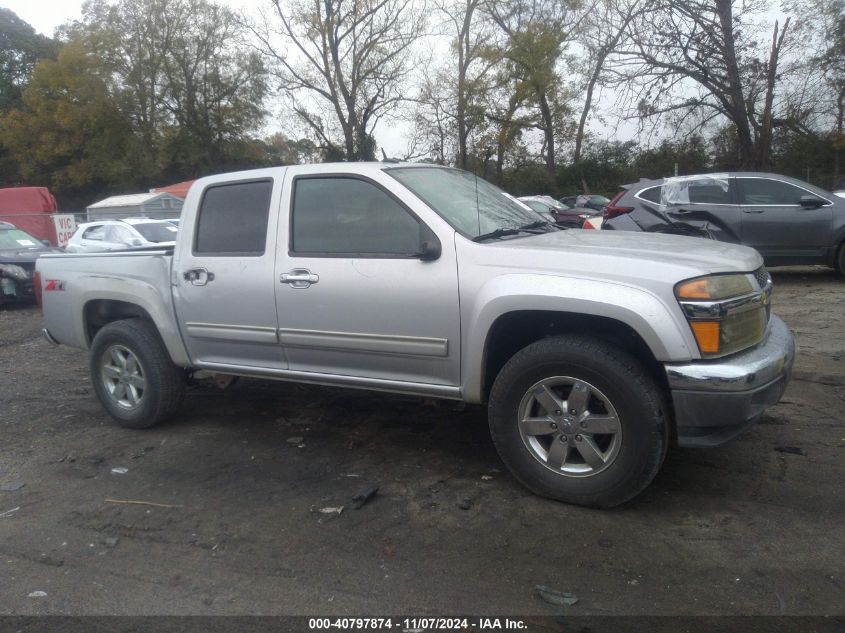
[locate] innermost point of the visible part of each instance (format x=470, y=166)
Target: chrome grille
x=762, y=276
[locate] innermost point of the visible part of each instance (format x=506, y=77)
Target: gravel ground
x=742, y=530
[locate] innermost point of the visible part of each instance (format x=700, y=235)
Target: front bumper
x=717, y=400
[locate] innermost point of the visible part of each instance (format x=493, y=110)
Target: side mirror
x=429, y=245
x=46, y=242
x=811, y=202
x=133, y=241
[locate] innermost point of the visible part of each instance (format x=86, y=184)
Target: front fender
x=665, y=333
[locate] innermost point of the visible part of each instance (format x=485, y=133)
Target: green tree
x=536, y=34
x=69, y=133
x=192, y=88
x=21, y=48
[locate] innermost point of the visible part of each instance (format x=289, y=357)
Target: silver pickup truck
x=593, y=351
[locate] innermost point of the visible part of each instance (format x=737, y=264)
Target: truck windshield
x=471, y=205
x=13, y=239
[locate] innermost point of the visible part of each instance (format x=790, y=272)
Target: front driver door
x=775, y=223
x=353, y=296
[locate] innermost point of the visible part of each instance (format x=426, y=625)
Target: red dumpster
x=30, y=209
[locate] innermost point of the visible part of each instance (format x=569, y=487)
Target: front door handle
x=299, y=278
x=753, y=210
x=198, y=276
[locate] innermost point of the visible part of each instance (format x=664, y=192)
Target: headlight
x=727, y=313
x=14, y=271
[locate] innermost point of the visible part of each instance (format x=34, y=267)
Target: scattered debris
x=465, y=504
x=486, y=477
x=791, y=450
x=363, y=496
x=12, y=486
x=552, y=596
x=111, y=541
x=349, y=475
x=8, y=513
x=119, y=470
x=331, y=510
x=37, y=594
x=299, y=442
x=143, y=503
x=605, y=542
x=389, y=547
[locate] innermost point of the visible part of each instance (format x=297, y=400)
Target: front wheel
x=133, y=375
x=579, y=420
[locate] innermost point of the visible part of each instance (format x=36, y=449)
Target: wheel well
x=100, y=312
x=515, y=330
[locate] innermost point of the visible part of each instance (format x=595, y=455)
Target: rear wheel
x=133, y=376
x=840, y=259
x=579, y=420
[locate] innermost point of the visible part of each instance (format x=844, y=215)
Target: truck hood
x=621, y=254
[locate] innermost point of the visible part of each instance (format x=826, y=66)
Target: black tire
x=632, y=392
x=840, y=260
x=164, y=382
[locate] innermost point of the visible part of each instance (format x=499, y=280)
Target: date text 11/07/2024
x=417, y=624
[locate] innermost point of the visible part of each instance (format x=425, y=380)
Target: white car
x=118, y=235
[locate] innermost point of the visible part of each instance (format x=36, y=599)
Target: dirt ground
x=744, y=529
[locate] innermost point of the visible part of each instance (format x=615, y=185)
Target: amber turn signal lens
x=697, y=289
x=707, y=335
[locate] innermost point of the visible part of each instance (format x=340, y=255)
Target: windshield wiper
x=502, y=232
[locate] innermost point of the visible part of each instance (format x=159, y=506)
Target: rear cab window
x=232, y=219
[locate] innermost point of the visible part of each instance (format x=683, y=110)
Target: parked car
x=18, y=252
x=591, y=351
x=558, y=212
x=591, y=202
x=839, y=188
x=788, y=221
x=569, y=201
x=118, y=235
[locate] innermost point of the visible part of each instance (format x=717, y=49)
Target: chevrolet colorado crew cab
x=594, y=351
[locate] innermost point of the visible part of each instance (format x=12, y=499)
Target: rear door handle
x=753, y=210
x=198, y=276
x=299, y=278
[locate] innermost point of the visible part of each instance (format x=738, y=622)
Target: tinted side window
x=704, y=194
x=94, y=233
x=117, y=233
x=652, y=194
x=762, y=191
x=233, y=218
x=337, y=215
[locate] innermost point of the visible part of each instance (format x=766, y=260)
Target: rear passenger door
x=775, y=223
x=353, y=296
x=223, y=279
x=704, y=201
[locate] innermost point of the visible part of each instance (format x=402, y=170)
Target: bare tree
x=694, y=56
x=343, y=63
x=606, y=22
